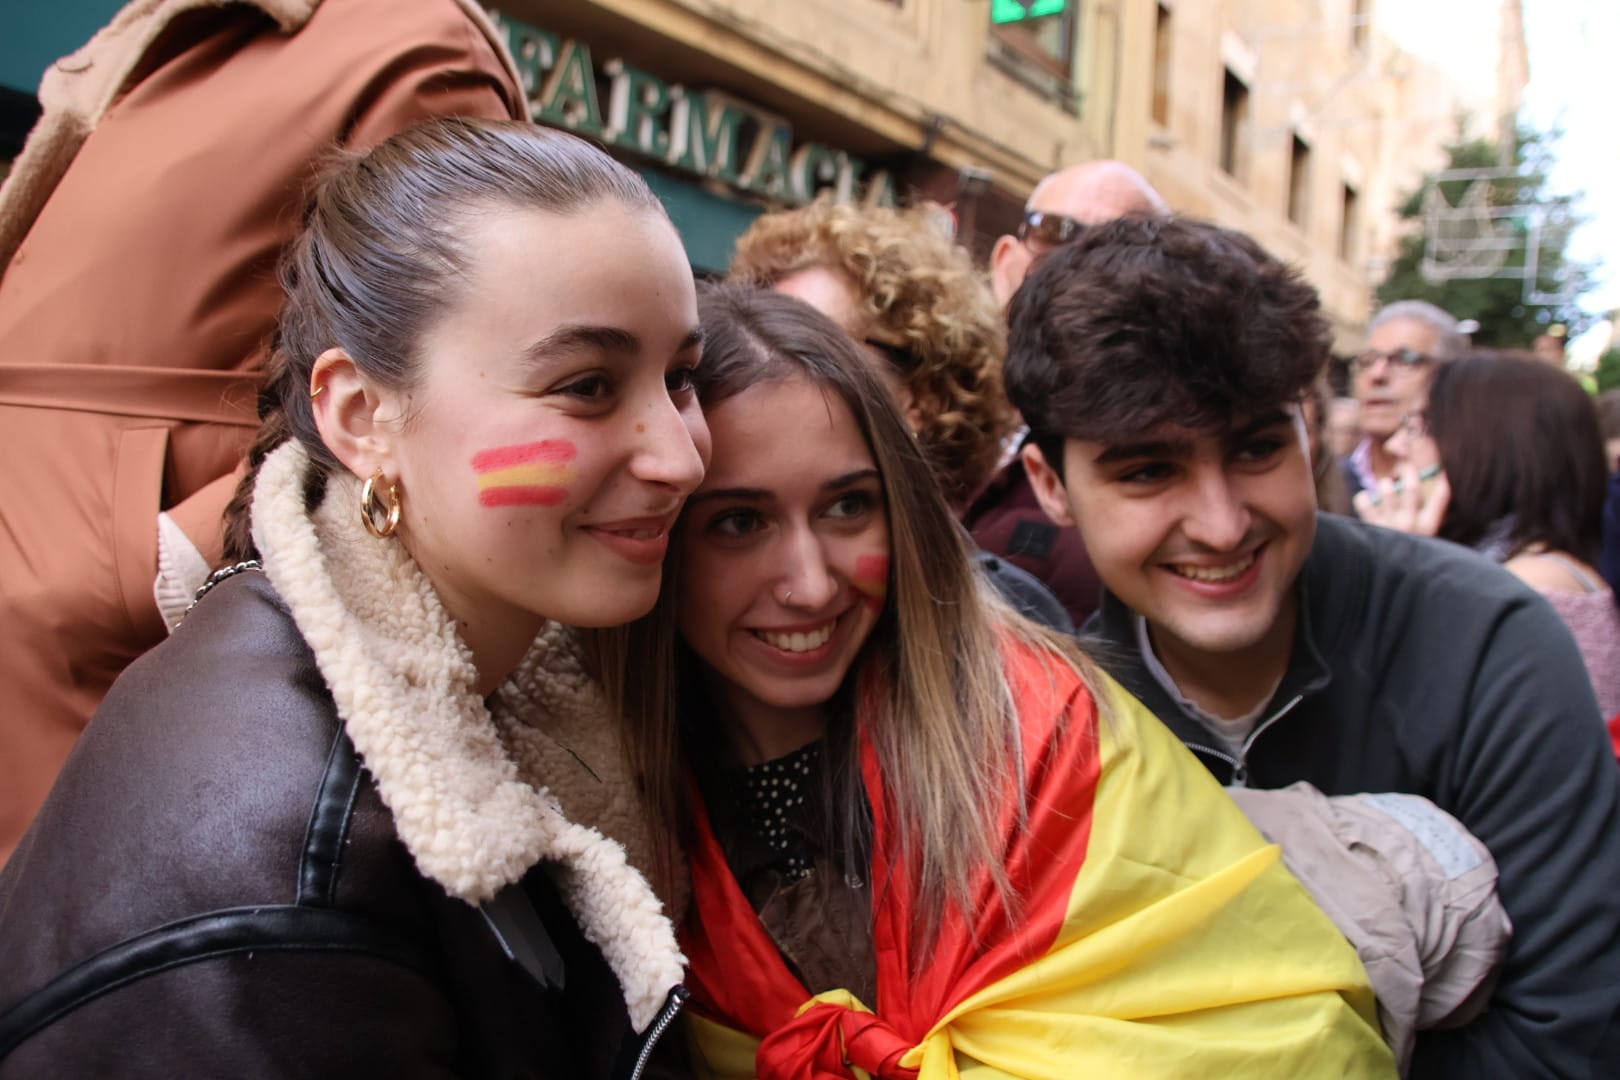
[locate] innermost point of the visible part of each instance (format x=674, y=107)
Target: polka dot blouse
x=776, y=801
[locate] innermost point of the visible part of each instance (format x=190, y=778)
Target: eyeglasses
x=1405, y=359
x=1040, y=230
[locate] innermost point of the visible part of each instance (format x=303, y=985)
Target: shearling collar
x=477, y=799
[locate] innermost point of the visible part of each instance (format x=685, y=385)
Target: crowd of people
x=869, y=665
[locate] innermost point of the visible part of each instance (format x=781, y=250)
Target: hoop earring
x=371, y=507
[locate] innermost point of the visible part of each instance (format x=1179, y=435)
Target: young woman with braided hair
x=364, y=812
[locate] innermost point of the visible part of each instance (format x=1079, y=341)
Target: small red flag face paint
x=871, y=579
x=529, y=474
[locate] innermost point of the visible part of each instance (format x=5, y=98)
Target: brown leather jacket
x=821, y=918
x=215, y=888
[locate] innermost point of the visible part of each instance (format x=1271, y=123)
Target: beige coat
x=1411, y=889
x=139, y=234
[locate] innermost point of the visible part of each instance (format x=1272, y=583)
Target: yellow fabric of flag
x=1185, y=949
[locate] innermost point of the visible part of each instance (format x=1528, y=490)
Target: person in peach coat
x=140, y=231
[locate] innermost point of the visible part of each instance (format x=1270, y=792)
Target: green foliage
x=1497, y=304
x=1608, y=370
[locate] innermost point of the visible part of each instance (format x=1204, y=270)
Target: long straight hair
x=930, y=683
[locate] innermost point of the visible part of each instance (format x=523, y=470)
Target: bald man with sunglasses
x=1060, y=208
x=1005, y=518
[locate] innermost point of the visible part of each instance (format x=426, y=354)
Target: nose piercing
x=788, y=599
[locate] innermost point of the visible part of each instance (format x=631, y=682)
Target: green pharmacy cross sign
x=1011, y=11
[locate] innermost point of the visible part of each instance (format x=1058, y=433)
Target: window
x=1034, y=42
x=1360, y=24
x=1161, y=68
x=1234, y=125
x=1349, y=223
x=1299, y=180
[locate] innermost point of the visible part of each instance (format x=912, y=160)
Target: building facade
x=1297, y=121
x=761, y=104
x=1294, y=120
x=1300, y=123
x=735, y=106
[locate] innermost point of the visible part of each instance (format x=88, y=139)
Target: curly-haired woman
x=896, y=281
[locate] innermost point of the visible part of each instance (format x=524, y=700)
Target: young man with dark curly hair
x=1160, y=366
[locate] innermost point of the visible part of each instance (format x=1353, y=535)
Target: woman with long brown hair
x=926, y=320
x=1507, y=456
x=923, y=831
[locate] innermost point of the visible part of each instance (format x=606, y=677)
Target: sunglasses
x=1409, y=359
x=1040, y=230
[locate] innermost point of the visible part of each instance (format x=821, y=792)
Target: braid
x=274, y=429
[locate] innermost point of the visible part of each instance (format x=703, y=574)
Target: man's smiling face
x=1202, y=532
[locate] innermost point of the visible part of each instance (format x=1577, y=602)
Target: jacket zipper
x=1237, y=767
x=666, y=1016
x=1240, y=764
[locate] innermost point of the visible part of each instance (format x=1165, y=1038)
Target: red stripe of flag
x=522, y=496
x=549, y=451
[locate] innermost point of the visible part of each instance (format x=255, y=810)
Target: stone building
x=1295, y=120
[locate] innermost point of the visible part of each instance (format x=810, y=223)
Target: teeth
x=1214, y=573
x=796, y=642
x=641, y=534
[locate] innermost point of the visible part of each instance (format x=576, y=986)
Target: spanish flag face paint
x=529, y=474
x=871, y=580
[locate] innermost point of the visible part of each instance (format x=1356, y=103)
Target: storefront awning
x=37, y=34
x=709, y=224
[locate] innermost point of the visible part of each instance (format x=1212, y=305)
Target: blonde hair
x=922, y=290
x=930, y=680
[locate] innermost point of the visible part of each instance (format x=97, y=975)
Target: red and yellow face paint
x=871, y=580
x=529, y=474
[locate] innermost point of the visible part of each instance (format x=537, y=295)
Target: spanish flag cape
x=1158, y=936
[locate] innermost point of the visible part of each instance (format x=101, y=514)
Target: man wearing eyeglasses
x=1404, y=342
x=1005, y=518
